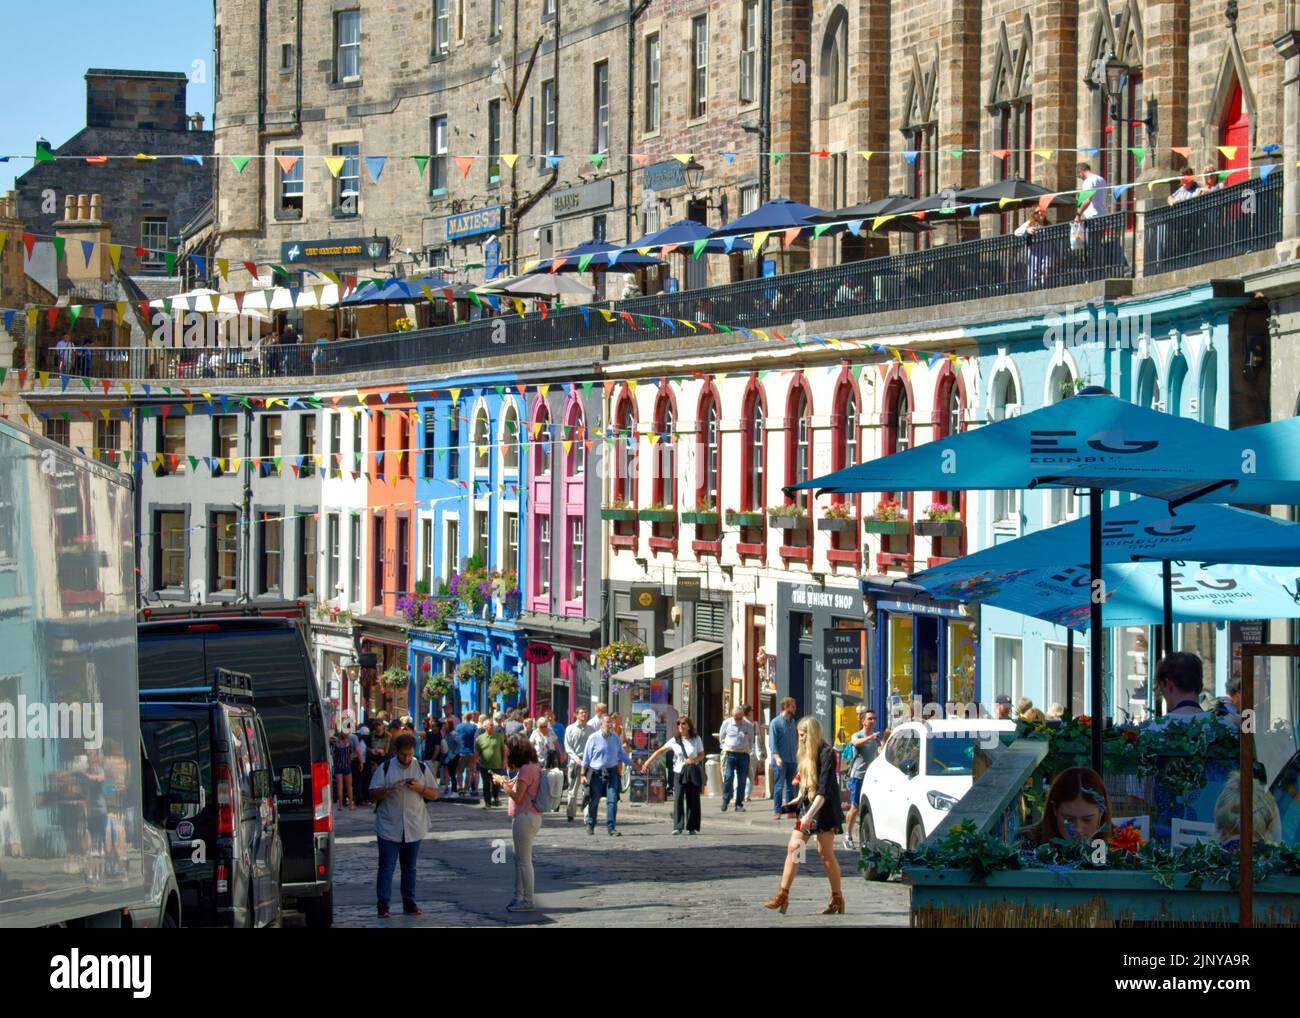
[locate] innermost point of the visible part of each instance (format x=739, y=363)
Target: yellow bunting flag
x=908, y=366
x=568, y=446
x=685, y=157
x=334, y=164
x=234, y=464
x=31, y=321
x=608, y=316
x=519, y=305
x=1229, y=151
x=880, y=221
x=689, y=325
x=510, y=158
x=537, y=430
x=760, y=238
x=1044, y=153
x=866, y=154
x=115, y=255
x=44, y=377
x=654, y=438
x=544, y=388
x=643, y=251
x=455, y=395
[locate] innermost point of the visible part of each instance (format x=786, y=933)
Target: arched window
x=753, y=496
x=575, y=434
x=510, y=439
x=949, y=420
x=1004, y=403
x=834, y=63
x=665, y=480
x=482, y=440
x=1209, y=387
x=1177, y=373
x=541, y=441
x=404, y=451
x=625, y=463
x=1148, y=386
x=799, y=454
x=708, y=451
x=847, y=427
x=1060, y=502
x=453, y=440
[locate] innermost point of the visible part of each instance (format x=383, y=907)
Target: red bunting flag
x=463, y=163
x=141, y=253
x=29, y=241
x=252, y=269
x=96, y=160
x=53, y=315
x=1000, y=153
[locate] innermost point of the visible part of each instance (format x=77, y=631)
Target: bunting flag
x=510, y=158
x=463, y=163
x=239, y=162
x=420, y=163
x=375, y=165
x=335, y=165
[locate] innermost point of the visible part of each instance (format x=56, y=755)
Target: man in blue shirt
x=600, y=761
x=783, y=748
x=467, y=732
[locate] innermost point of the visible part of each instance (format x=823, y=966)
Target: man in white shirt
x=400, y=786
x=601, y=710
x=1097, y=203
x=736, y=736
x=575, y=741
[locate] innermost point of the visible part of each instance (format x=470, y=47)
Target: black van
x=210, y=753
x=184, y=652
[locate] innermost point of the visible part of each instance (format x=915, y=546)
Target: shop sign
x=842, y=648
x=818, y=597
x=335, y=249
x=468, y=224
x=645, y=598
x=574, y=201
x=664, y=176
x=688, y=588
x=538, y=653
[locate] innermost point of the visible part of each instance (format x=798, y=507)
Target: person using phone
x=400, y=787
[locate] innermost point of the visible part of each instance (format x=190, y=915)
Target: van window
x=168, y=740
x=174, y=660
x=239, y=752
x=282, y=684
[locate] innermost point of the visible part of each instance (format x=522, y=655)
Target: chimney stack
x=196, y=121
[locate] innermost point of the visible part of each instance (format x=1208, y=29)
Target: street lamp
x=694, y=174
x=1116, y=81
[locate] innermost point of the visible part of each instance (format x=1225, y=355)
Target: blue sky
x=50, y=44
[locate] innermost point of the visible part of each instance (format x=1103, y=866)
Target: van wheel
x=319, y=912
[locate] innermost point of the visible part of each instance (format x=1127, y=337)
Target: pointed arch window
x=665, y=478
x=1119, y=127
x=799, y=456
x=510, y=440
x=707, y=487
x=575, y=433
x=625, y=462
x=1012, y=109
x=1005, y=402
x=753, y=433
x=482, y=441
x=921, y=135
x=542, y=441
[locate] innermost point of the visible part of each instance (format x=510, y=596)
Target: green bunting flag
x=700, y=245
x=58, y=243
x=44, y=155
x=1139, y=154
x=421, y=162
x=1086, y=194
x=169, y=257
x=777, y=156
x=596, y=159
x=239, y=162
x=501, y=391
x=586, y=388
x=474, y=298
x=74, y=312
x=584, y=261
x=820, y=228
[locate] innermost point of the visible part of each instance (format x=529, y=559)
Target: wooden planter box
x=939, y=528
x=657, y=515
x=838, y=525
x=702, y=518
x=954, y=897
x=737, y=518
x=894, y=528
x=619, y=515
x=789, y=522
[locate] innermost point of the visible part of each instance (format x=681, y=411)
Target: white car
x=924, y=770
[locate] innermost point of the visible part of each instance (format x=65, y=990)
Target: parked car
x=184, y=652
x=222, y=822
x=158, y=905
x=925, y=769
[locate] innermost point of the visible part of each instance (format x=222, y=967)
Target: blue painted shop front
x=925, y=657
x=500, y=645
x=428, y=654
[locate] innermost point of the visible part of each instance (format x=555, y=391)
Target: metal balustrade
x=949, y=273
x=1226, y=223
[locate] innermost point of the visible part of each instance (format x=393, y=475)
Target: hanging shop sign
x=644, y=598
x=688, y=588
x=538, y=653
x=664, y=176
x=574, y=201
x=335, y=249
x=470, y=224
x=842, y=648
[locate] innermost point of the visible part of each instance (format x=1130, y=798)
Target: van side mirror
x=290, y=781
x=183, y=785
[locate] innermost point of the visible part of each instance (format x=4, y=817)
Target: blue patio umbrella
x=775, y=216
x=687, y=233
x=1098, y=442
x=394, y=291
x=604, y=257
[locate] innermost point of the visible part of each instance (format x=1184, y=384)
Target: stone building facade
x=127, y=112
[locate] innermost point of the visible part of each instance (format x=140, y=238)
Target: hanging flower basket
x=394, y=679
x=615, y=657
x=504, y=684
x=438, y=686
x=471, y=668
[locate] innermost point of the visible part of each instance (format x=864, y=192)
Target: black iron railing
x=1223, y=224
x=972, y=270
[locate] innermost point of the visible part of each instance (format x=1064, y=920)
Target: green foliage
x=471, y=668
x=503, y=683
x=422, y=587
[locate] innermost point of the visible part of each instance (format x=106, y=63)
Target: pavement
x=646, y=878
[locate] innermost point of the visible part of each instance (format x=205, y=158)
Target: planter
x=702, y=518
x=939, y=528
x=790, y=522
x=836, y=525
x=745, y=519
x=657, y=515
x=894, y=528
x=619, y=515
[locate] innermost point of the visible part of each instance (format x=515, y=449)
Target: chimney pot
x=69, y=207
x=95, y=206
x=83, y=206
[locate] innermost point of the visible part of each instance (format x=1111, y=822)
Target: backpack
x=546, y=800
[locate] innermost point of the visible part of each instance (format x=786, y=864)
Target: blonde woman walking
x=820, y=815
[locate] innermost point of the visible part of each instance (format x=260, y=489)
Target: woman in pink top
x=526, y=819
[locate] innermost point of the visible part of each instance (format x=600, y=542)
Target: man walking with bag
x=575, y=742
x=783, y=747
x=400, y=787
x=600, y=759
x=736, y=737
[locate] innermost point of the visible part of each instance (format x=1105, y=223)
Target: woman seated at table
x=1266, y=820
x=1077, y=809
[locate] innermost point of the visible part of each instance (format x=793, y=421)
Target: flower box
x=790, y=522
x=939, y=528
x=657, y=515
x=702, y=517
x=742, y=518
x=836, y=524
x=619, y=515
x=894, y=528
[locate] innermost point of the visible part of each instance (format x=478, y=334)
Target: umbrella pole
x=1167, y=625
x=1069, y=673
x=1096, y=634
x=1246, y=784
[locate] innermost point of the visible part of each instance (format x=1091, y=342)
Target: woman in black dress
x=820, y=815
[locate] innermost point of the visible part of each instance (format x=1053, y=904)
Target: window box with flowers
x=837, y=518
x=657, y=514
x=888, y=519
x=620, y=512
x=940, y=521
x=705, y=514
x=619, y=655
x=745, y=518
x=791, y=516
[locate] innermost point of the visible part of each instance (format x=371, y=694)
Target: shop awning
x=581, y=634
x=671, y=661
